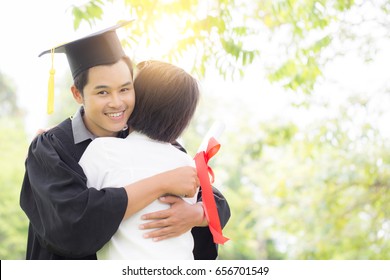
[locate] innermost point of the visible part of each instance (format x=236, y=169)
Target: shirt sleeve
x=69, y=219
x=95, y=163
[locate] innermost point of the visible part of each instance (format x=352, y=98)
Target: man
x=69, y=220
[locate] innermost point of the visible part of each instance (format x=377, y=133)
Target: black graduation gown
x=68, y=220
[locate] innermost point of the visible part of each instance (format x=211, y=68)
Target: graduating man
x=68, y=220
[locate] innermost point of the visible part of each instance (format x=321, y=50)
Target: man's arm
x=63, y=212
x=182, y=217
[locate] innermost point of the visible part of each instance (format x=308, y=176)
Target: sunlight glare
x=168, y=34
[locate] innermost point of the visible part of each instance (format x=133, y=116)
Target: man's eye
x=103, y=92
x=125, y=89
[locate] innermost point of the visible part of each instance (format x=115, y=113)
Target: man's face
x=108, y=99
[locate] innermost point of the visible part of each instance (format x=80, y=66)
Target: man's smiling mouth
x=115, y=115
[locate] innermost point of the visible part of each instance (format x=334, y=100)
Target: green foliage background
x=13, y=150
x=313, y=191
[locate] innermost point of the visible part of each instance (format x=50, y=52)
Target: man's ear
x=77, y=94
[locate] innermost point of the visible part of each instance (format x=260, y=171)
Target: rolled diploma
x=215, y=131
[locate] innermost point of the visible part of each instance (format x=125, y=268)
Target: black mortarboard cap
x=99, y=48
x=102, y=47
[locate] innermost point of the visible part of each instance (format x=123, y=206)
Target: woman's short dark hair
x=165, y=100
x=82, y=79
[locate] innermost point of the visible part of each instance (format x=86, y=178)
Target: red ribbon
x=201, y=160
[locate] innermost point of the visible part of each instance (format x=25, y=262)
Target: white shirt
x=116, y=162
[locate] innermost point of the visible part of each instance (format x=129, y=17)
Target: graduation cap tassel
x=50, y=96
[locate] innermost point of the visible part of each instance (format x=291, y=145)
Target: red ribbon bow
x=201, y=160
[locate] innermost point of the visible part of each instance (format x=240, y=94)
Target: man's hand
x=178, y=219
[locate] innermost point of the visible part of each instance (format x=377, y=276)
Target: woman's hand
x=182, y=181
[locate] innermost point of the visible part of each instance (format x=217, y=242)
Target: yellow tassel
x=50, y=96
